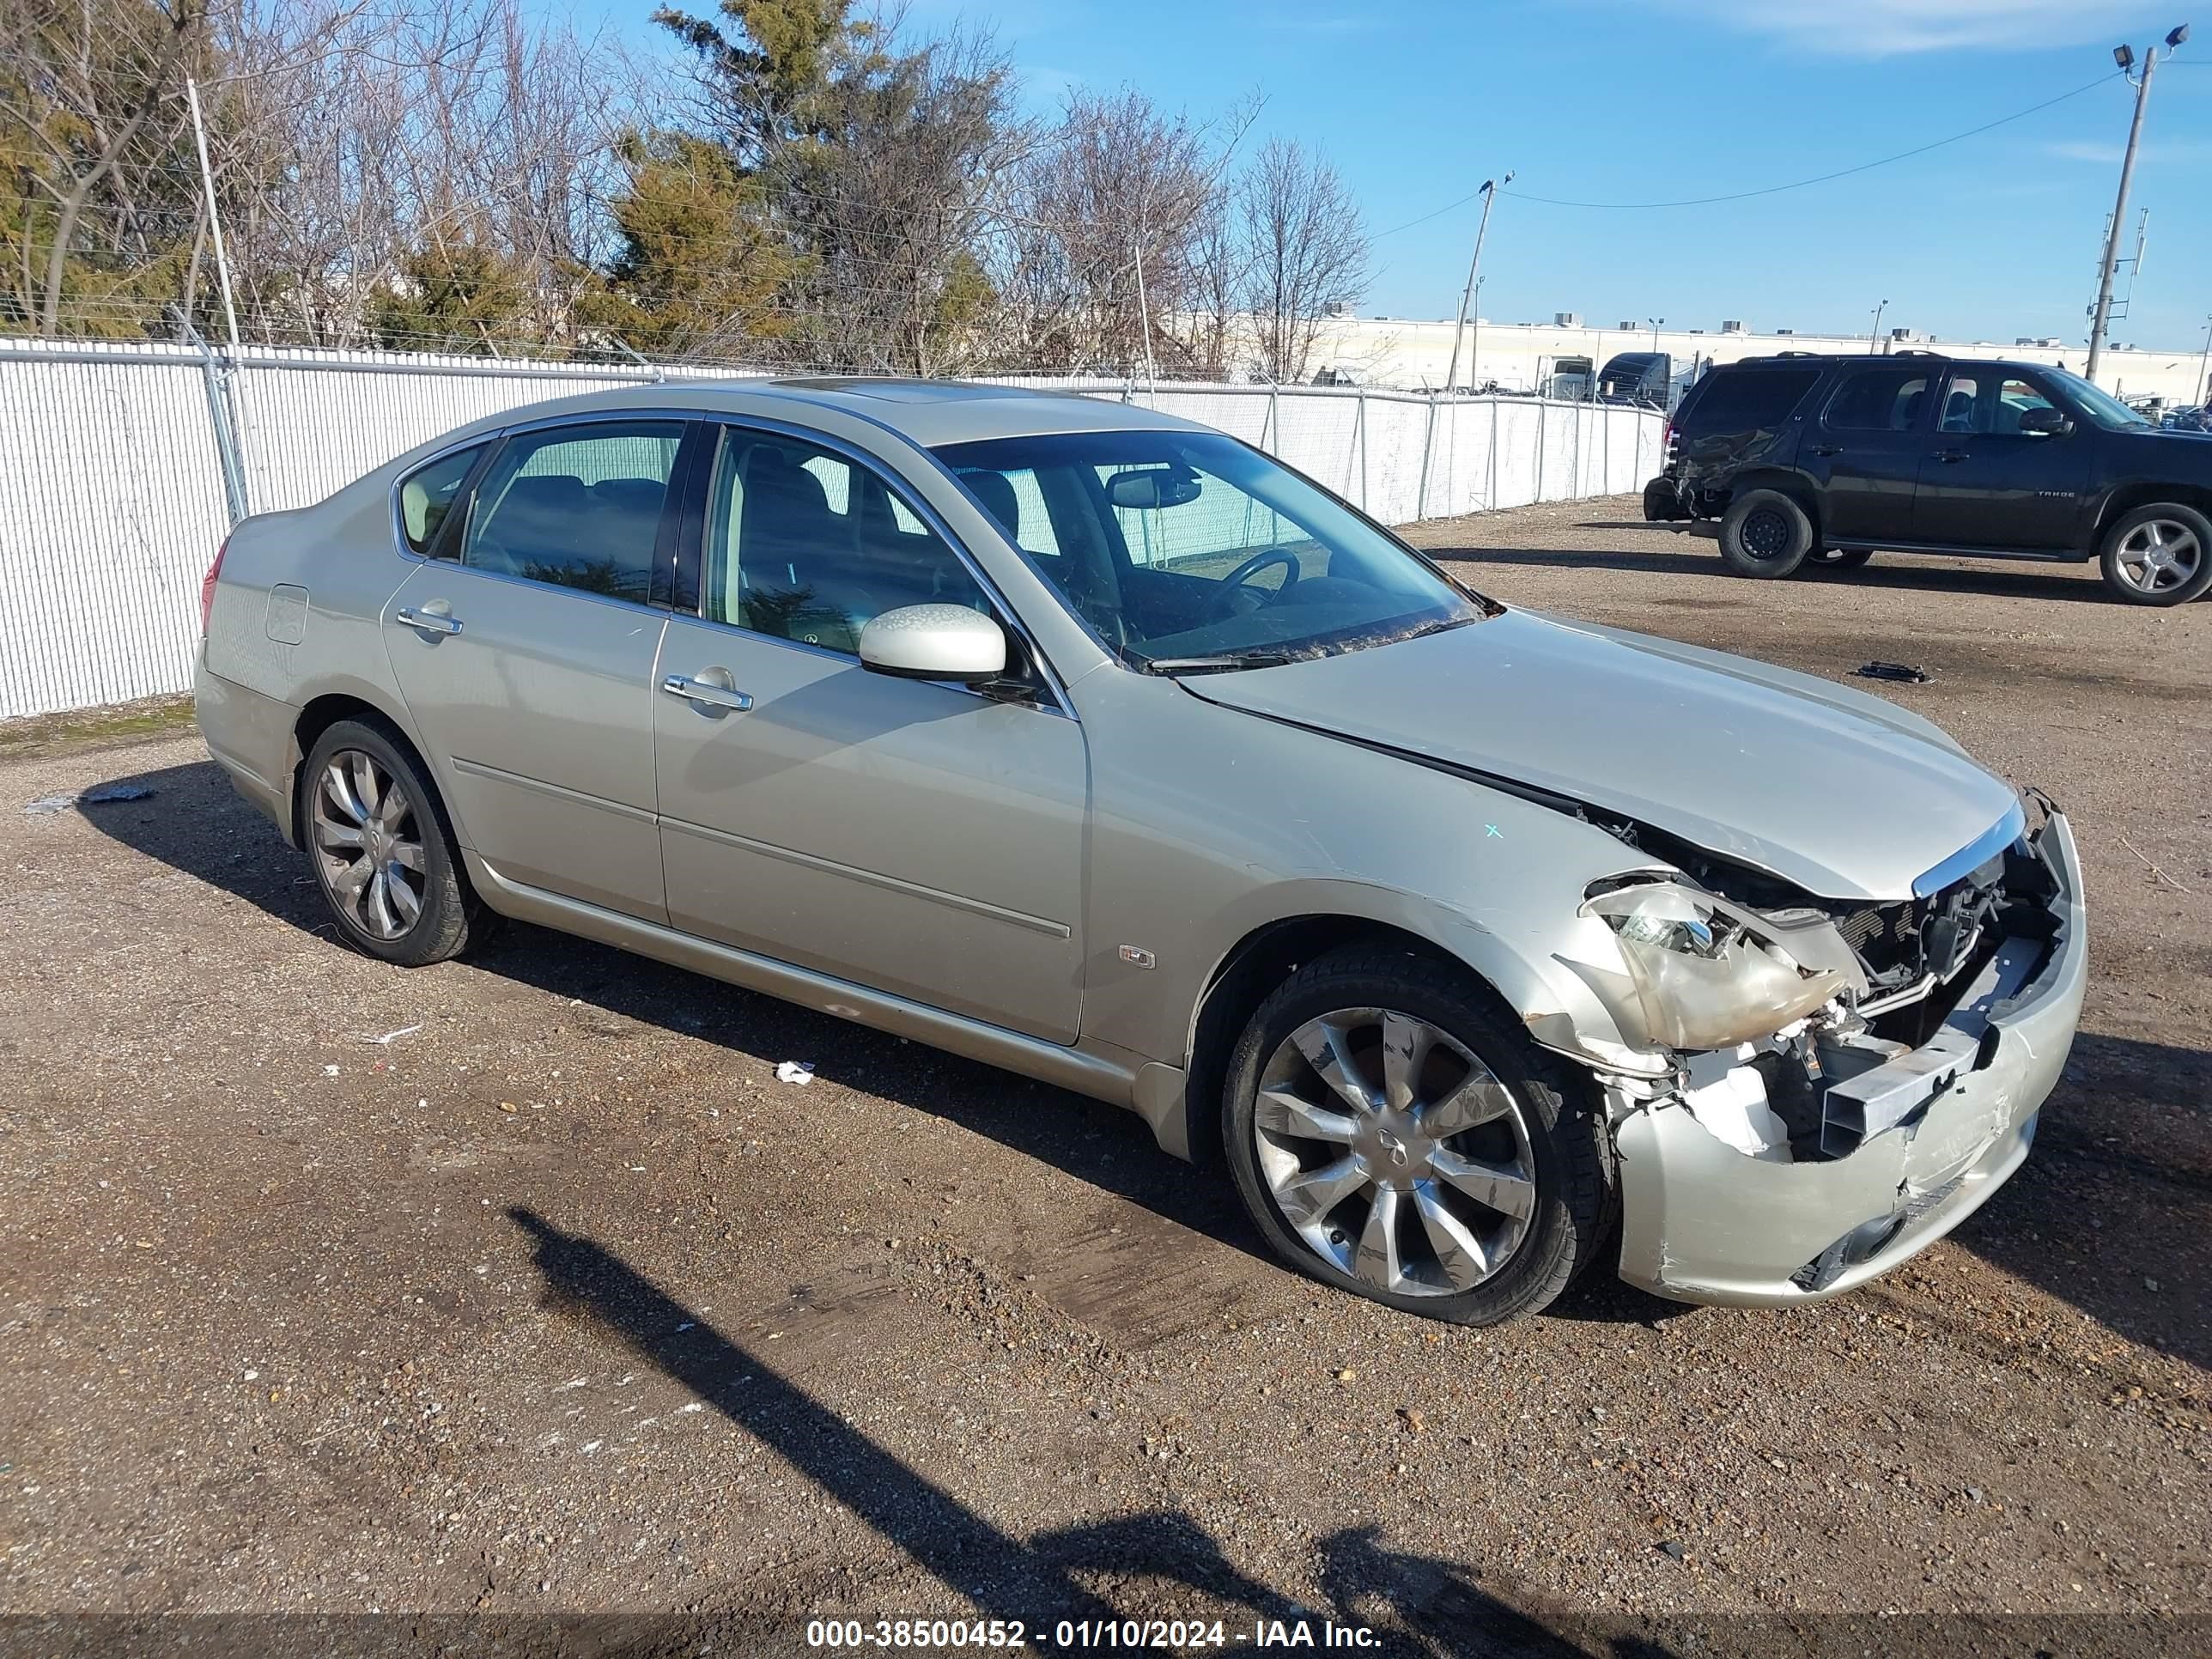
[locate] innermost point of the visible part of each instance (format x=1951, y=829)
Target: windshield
x=1188, y=551
x=2098, y=405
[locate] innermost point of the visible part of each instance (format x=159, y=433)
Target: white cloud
x=1883, y=28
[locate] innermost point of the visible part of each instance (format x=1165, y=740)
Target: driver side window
x=802, y=544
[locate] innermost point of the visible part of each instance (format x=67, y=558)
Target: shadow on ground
x=1161, y=1562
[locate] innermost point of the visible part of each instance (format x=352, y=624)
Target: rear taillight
x=207, y=586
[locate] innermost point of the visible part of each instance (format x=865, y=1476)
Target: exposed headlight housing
x=1704, y=972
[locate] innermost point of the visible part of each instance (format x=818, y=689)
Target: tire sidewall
x=1741, y=560
x=1558, y=1240
x=440, y=928
x=2108, y=560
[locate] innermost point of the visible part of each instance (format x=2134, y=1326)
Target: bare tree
x=1107, y=229
x=1304, y=246
x=89, y=109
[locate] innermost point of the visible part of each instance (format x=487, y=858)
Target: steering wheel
x=1235, y=591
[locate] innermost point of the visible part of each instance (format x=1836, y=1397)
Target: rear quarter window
x=427, y=495
x=1751, y=397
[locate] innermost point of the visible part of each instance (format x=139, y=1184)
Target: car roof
x=928, y=413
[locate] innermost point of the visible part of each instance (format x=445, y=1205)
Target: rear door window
x=577, y=506
x=1751, y=397
x=1879, y=400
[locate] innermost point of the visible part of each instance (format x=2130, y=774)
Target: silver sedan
x=1478, y=946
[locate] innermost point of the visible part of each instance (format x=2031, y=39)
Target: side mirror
x=1153, y=487
x=2045, y=423
x=935, y=642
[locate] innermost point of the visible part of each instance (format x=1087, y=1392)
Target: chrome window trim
x=853, y=454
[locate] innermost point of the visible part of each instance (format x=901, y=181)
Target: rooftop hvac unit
x=1785, y=331
x=1733, y=327
x=1631, y=322
x=1903, y=334
x=1566, y=320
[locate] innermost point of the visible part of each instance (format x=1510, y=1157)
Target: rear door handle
x=1828, y=449
x=1951, y=455
x=706, y=691
x=430, y=621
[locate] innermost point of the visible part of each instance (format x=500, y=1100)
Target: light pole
x=1874, y=334
x=1490, y=188
x=1656, y=324
x=2100, y=314
x=2204, y=367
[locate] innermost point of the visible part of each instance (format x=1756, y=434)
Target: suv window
x=578, y=506
x=1989, y=402
x=1736, y=399
x=1878, y=400
x=427, y=494
x=802, y=544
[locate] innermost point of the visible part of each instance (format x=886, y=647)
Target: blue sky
x=1416, y=101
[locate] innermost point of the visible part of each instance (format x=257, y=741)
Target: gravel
x=522, y=1286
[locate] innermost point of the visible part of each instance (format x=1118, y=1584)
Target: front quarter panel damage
x=1704, y=1222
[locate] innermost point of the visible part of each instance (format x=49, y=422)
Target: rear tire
x=383, y=849
x=2158, y=554
x=1494, y=1153
x=1764, y=533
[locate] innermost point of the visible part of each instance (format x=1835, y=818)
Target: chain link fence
x=126, y=465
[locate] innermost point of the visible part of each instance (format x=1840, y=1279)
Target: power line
x=1770, y=190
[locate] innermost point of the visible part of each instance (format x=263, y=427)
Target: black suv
x=1803, y=457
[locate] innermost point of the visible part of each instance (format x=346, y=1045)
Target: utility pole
x=2100, y=314
x=1490, y=188
x=1874, y=334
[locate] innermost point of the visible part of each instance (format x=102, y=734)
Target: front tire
x=1764, y=533
x=382, y=849
x=1392, y=1134
x=2158, y=554
x=1842, y=558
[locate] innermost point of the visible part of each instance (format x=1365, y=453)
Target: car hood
x=1846, y=795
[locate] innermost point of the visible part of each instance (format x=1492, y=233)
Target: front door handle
x=1950, y=454
x=429, y=621
x=706, y=691
x=1828, y=449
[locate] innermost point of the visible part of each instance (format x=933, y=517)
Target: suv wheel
x=1842, y=558
x=1764, y=533
x=383, y=852
x=1393, y=1136
x=2159, y=555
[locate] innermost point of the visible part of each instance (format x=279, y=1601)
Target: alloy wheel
x=1394, y=1153
x=2159, y=556
x=368, y=844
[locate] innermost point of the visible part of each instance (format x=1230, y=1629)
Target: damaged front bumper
x=1703, y=1221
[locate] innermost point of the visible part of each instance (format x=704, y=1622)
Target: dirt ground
x=520, y=1289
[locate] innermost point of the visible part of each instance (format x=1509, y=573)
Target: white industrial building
x=1560, y=355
